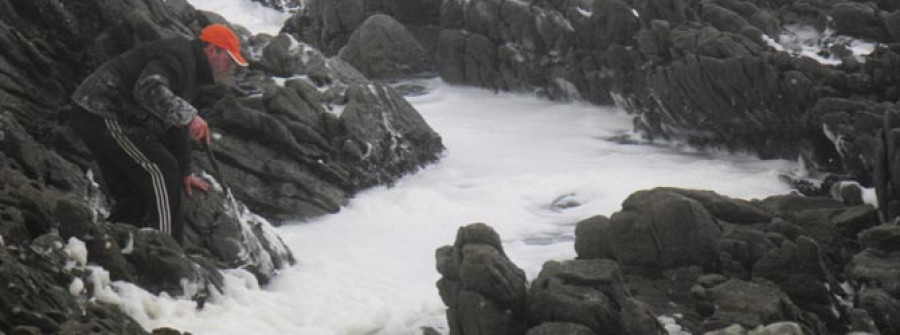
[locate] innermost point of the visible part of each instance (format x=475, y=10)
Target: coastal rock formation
x=719, y=264
x=283, y=148
x=779, y=79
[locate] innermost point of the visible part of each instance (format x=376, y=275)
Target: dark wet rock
x=885, y=238
x=778, y=266
x=556, y=328
x=800, y=245
x=38, y=293
x=34, y=281
x=420, y=12
x=658, y=230
x=308, y=161
x=102, y=318
x=852, y=127
x=884, y=309
x=751, y=304
x=507, y=45
x=327, y=25
x=381, y=48
x=886, y=172
x=590, y=293
x=850, y=193
x=874, y=268
x=702, y=72
x=36, y=162
x=484, y=291
x=234, y=237
x=858, y=19
x=793, y=203
x=159, y=265
x=303, y=148
x=800, y=271
x=283, y=56
x=860, y=321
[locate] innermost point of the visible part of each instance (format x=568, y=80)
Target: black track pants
x=140, y=172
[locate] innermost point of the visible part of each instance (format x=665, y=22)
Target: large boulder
x=590, y=293
x=658, y=229
x=859, y=19
x=484, y=291
x=381, y=48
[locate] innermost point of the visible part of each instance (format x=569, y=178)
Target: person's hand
x=199, y=129
x=192, y=181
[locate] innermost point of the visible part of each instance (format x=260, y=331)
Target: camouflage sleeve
x=152, y=92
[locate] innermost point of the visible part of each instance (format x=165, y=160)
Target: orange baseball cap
x=221, y=36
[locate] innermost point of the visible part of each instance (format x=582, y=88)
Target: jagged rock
x=484, y=291
x=34, y=160
x=506, y=45
x=395, y=136
x=852, y=127
x=33, y=278
x=234, y=236
x=590, y=293
x=799, y=270
x=381, y=48
x=298, y=152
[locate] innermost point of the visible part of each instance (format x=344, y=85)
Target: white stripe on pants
x=159, y=185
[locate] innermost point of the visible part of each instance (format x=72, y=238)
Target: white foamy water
x=252, y=15
x=370, y=269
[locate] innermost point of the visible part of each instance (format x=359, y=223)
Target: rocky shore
x=290, y=148
x=786, y=264
x=315, y=119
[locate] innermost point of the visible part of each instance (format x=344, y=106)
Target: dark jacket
x=150, y=89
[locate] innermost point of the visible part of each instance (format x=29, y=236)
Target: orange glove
x=192, y=181
x=199, y=129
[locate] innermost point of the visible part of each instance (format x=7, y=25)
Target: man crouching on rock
x=135, y=115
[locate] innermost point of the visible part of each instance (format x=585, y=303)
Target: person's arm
x=155, y=87
x=180, y=146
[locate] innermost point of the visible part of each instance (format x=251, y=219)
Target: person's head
x=223, y=49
